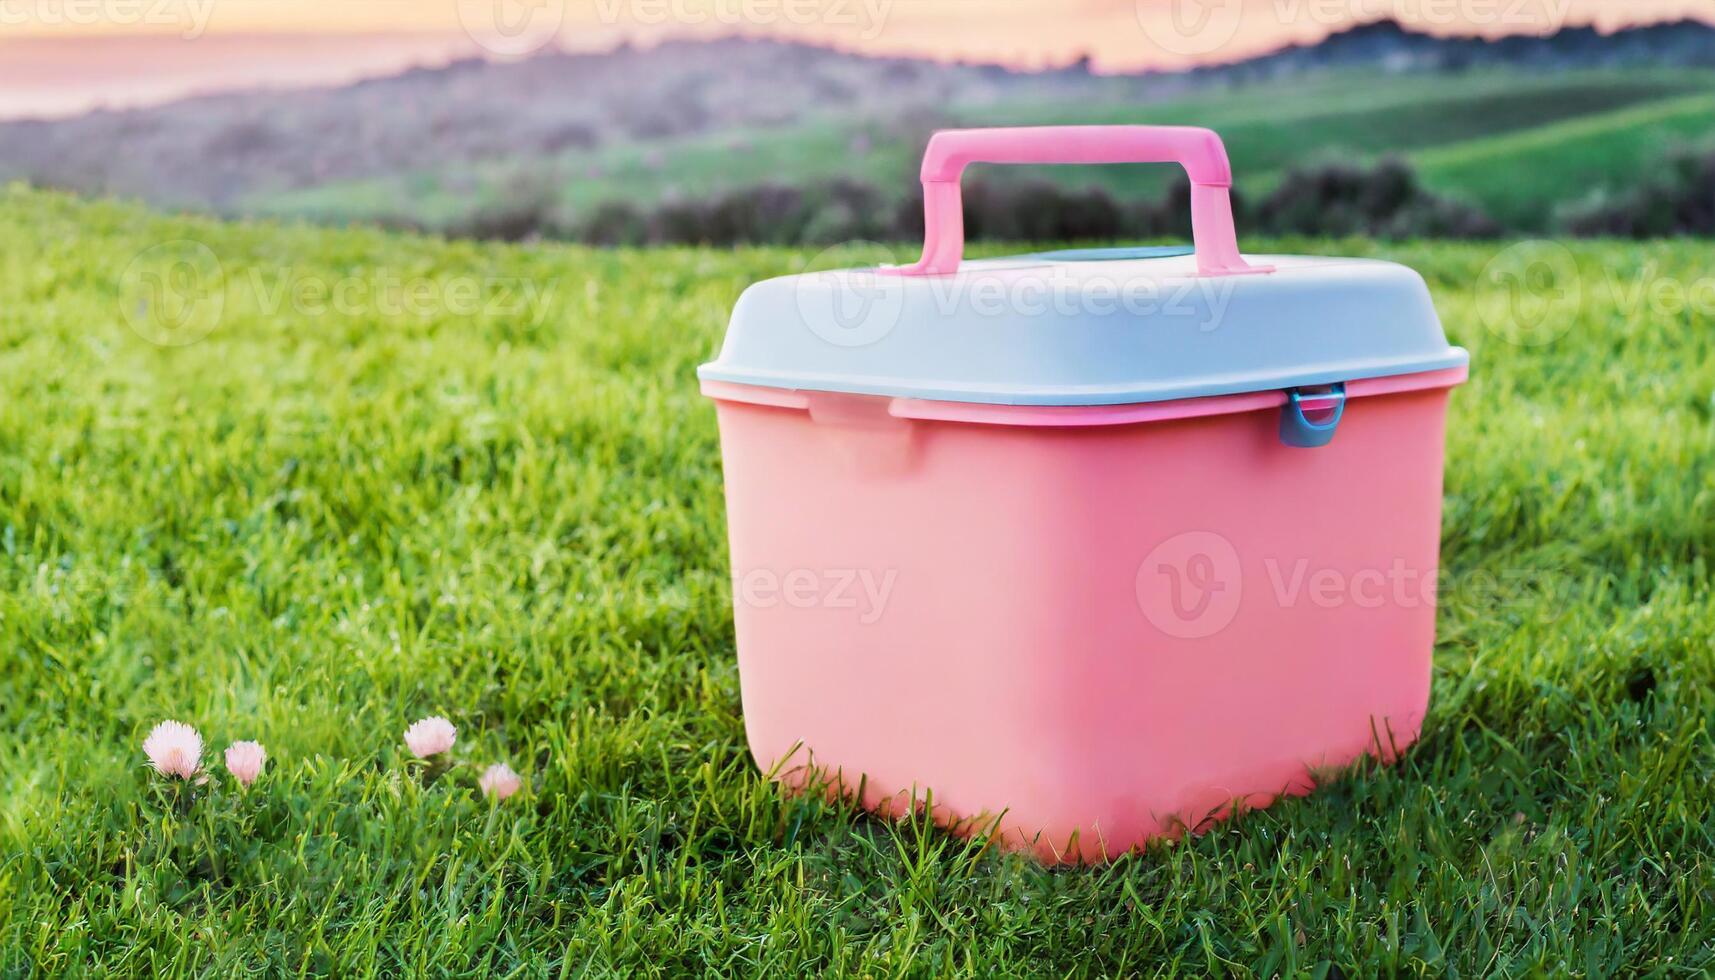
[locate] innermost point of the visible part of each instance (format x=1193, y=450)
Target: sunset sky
x=63, y=56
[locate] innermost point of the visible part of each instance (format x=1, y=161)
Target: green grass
x=1472, y=135
x=310, y=528
x=1565, y=161
x=1269, y=128
x=637, y=171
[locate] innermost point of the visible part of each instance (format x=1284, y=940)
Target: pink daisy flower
x=245, y=760
x=430, y=736
x=174, y=749
x=499, y=781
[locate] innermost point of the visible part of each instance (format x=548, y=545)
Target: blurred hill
x=1387, y=45
x=569, y=132
x=214, y=150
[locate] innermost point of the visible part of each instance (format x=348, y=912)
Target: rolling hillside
x=1520, y=176
x=684, y=120
x=1471, y=134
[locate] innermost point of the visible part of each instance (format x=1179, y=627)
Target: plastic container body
x=1081, y=627
x=1083, y=547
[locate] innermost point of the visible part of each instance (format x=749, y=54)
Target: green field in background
x=1518, y=145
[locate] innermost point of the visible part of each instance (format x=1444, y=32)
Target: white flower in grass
x=499, y=781
x=174, y=749
x=244, y=760
x=430, y=736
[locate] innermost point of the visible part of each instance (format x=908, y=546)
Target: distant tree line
x=1382, y=200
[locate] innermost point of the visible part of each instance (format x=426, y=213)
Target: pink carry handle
x=1198, y=150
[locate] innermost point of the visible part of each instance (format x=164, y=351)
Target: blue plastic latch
x=1296, y=428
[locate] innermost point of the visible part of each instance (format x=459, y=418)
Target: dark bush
x=1039, y=210
x=615, y=223
x=1678, y=200
x=1382, y=201
x=568, y=136
x=849, y=210
x=508, y=221
x=527, y=209
x=767, y=214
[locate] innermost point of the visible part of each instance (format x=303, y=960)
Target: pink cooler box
x=1083, y=548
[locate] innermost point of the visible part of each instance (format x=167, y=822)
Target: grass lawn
x=344, y=508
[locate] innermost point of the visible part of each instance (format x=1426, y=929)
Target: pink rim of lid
x=1083, y=415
